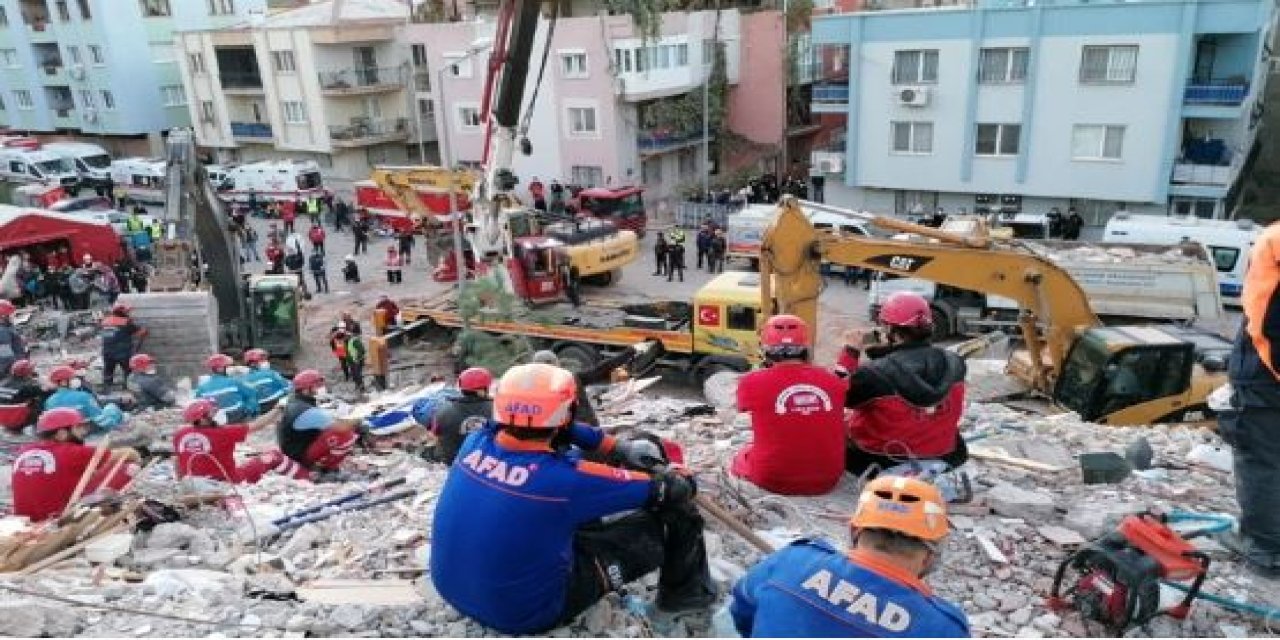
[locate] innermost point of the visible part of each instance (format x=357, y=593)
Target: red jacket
x=287, y=212
x=208, y=452
x=797, y=427
x=907, y=403
x=393, y=260
x=45, y=475
x=316, y=235
x=274, y=252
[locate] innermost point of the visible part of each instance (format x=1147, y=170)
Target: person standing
x=715, y=255
x=12, y=347
x=316, y=263
x=817, y=183
x=275, y=257
x=289, y=214
x=393, y=266
x=1072, y=225
x=703, y=244
x=355, y=354
x=316, y=235
x=660, y=255
x=341, y=213
x=249, y=241
x=675, y=258
x=379, y=362
x=360, y=231
x=405, y=241
x=338, y=347
x=539, y=194
x=121, y=337
x=1249, y=426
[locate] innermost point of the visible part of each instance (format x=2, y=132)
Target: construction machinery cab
x=726, y=316
x=623, y=206
x=273, y=304
x=536, y=268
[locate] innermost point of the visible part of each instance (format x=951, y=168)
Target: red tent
x=22, y=227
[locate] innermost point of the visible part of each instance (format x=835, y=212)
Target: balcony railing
x=251, y=130
x=831, y=93
x=359, y=77
x=1219, y=93
x=241, y=80
x=652, y=141
x=1205, y=174
x=369, y=130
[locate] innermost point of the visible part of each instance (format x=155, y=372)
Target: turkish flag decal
x=709, y=315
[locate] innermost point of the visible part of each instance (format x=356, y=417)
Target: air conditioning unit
x=90, y=115
x=77, y=71
x=827, y=162
x=912, y=96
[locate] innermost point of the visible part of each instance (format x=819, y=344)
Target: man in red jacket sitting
x=797, y=415
x=46, y=472
x=908, y=400
x=206, y=448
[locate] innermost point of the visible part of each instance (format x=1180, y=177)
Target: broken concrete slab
x=1009, y=500
x=1061, y=537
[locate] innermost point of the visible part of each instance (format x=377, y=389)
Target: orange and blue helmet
x=536, y=396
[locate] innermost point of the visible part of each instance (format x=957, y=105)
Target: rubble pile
x=224, y=566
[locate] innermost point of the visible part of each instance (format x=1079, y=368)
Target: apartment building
x=1021, y=106
x=613, y=108
x=100, y=69
x=329, y=81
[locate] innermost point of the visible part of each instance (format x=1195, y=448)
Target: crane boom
x=793, y=251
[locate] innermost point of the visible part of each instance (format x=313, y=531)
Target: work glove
x=639, y=454
x=672, y=488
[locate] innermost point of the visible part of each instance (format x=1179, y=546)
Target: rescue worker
x=379, y=361
x=21, y=396
x=236, y=398
x=797, y=415
x=316, y=235
x=267, y=383
x=876, y=589
x=12, y=346
x=71, y=392
x=600, y=373
x=150, y=391
x=46, y=472
x=455, y=418
x=313, y=440
x=517, y=538
x=390, y=313
x=275, y=257
x=908, y=400
x=121, y=337
x=354, y=352
x=206, y=448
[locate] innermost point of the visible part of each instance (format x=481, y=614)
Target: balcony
x=241, y=82
x=366, y=131
x=1210, y=175
x=361, y=80
x=251, y=131
x=830, y=98
x=1218, y=93
x=658, y=141
x=53, y=74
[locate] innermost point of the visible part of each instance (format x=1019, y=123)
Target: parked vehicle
x=23, y=160
x=746, y=229
x=1227, y=241
x=92, y=163
x=623, y=206
x=384, y=209
x=273, y=180
x=141, y=178
x=217, y=174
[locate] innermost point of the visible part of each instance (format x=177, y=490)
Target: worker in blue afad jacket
x=876, y=589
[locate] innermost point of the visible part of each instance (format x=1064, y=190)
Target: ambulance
x=273, y=180
x=92, y=163
x=141, y=178
x=23, y=160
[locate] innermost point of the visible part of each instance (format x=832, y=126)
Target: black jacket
x=919, y=372
x=454, y=420
x=150, y=391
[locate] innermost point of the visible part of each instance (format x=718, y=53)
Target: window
x=173, y=95
x=196, y=62
x=586, y=176
x=913, y=137
x=469, y=117
x=4, y=18
x=206, y=110
x=73, y=54
x=1097, y=142
x=85, y=14
x=10, y=57
x=573, y=65
x=1109, y=64
x=997, y=139
x=1003, y=66
x=155, y=8
x=459, y=65
x=682, y=55
x=1, y=103
x=64, y=13
x=1199, y=207
x=96, y=57
x=651, y=171
x=23, y=98
x=419, y=55
x=108, y=100
x=663, y=54
x=582, y=121
x=162, y=53
x=294, y=112
x=708, y=51
x=741, y=318
x=222, y=7
x=86, y=98
x=1224, y=257
x=283, y=62
x=624, y=60
x=426, y=108
x=915, y=67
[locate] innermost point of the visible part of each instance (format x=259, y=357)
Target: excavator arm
x=402, y=185
x=1054, y=306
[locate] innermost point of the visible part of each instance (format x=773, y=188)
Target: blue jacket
x=502, y=535
x=809, y=589
x=117, y=336
x=268, y=384
x=229, y=393
x=104, y=418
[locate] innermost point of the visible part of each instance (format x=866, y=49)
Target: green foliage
x=487, y=300
x=680, y=116
x=799, y=13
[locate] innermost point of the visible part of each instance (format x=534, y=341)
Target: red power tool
x=1117, y=577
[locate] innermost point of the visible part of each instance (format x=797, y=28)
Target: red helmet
x=219, y=362
x=475, y=379
x=254, y=356
x=6, y=308
x=308, y=380
x=906, y=309
x=23, y=368
x=784, y=331
x=202, y=409
x=121, y=309
x=141, y=362
x=62, y=375
x=60, y=418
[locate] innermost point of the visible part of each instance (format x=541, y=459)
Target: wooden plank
x=1000, y=456
x=367, y=592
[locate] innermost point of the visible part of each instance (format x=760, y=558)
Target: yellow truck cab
x=726, y=316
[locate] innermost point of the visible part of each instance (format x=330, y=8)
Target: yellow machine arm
x=793, y=250
x=402, y=185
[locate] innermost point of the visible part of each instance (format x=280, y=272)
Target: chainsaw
x=1117, y=577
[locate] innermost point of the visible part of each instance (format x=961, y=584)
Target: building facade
x=1017, y=106
x=330, y=82
x=101, y=70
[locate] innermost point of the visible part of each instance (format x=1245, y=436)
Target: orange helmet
x=23, y=368
x=60, y=418
x=62, y=375
x=141, y=362
x=539, y=396
x=906, y=505
x=254, y=356
x=202, y=409
x=219, y=362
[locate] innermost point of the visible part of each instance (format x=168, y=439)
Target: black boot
x=685, y=581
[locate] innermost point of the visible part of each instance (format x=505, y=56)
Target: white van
x=745, y=229
x=141, y=178
x=1227, y=241
x=91, y=162
x=22, y=161
x=273, y=180
x=217, y=174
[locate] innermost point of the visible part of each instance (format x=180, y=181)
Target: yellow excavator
x=1117, y=375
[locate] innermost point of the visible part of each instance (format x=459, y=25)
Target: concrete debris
x=1007, y=500
x=1061, y=536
